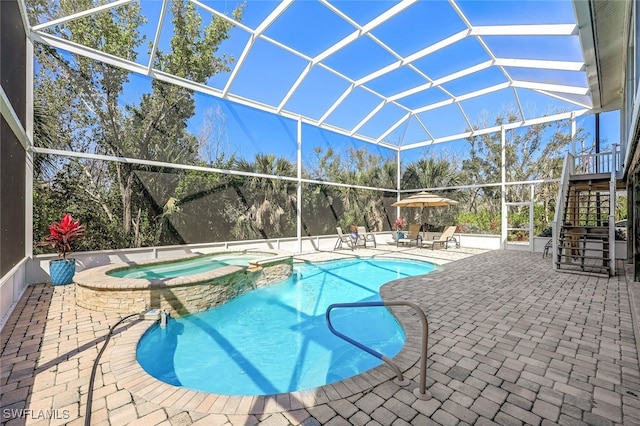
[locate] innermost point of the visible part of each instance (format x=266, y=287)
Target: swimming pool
x=192, y=266
x=275, y=339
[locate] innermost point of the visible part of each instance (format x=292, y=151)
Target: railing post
x=554, y=243
x=612, y=213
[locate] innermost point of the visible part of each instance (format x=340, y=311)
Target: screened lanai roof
x=400, y=74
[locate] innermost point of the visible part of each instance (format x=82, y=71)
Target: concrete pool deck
x=511, y=342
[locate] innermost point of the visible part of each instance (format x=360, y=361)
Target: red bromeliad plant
x=399, y=224
x=62, y=234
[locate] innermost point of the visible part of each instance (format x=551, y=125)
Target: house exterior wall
x=630, y=123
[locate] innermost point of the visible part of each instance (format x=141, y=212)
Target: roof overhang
x=602, y=26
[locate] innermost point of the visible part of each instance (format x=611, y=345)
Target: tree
x=348, y=204
x=535, y=152
x=87, y=95
x=267, y=206
x=430, y=173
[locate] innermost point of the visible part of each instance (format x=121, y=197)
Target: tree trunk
x=126, y=205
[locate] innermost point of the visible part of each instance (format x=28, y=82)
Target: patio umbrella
x=424, y=199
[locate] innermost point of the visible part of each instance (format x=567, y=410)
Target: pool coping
x=130, y=375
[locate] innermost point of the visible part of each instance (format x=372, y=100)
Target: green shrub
x=479, y=223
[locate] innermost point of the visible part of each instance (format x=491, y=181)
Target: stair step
x=592, y=265
x=579, y=265
x=586, y=268
x=599, y=250
x=575, y=245
x=582, y=238
x=576, y=240
x=601, y=227
x=573, y=232
x=583, y=245
x=579, y=258
x=590, y=231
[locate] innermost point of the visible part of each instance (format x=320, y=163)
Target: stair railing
x=421, y=392
x=568, y=167
x=619, y=159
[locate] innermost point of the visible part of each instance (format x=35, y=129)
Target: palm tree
x=266, y=204
x=430, y=173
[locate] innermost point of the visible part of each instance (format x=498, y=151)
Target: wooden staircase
x=583, y=228
x=583, y=240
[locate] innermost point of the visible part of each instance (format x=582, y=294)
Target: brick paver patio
x=511, y=342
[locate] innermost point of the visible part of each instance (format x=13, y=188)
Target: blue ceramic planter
x=62, y=271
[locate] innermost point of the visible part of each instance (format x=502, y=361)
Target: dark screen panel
x=13, y=57
x=324, y=207
x=12, y=153
x=12, y=207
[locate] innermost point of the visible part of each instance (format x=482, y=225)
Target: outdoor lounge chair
x=346, y=239
x=413, y=234
x=365, y=236
x=443, y=240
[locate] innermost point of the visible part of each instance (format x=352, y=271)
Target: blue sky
x=303, y=27
x=310, y=28
x=609, y=134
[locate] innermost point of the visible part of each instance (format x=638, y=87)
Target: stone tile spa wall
x=180, y=296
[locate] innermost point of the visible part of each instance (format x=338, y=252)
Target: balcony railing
x=602, y=162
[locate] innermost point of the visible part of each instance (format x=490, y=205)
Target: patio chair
x=443, y=240
x=413, y=234
x=547, y=247
x=365, y=236
x=342, y=238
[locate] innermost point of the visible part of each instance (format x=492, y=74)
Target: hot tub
x=181, y=286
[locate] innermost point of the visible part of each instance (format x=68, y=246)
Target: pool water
x=180, y=268
x=275, y=339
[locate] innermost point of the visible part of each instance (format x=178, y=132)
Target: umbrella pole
x=425, y=220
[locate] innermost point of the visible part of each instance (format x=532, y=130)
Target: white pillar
x=503, y=189
x=573, y=133
x=531, y=215
x=299, y=189
x=612, y=213
x=612, y=229
x=398, y=178
x=28, y=190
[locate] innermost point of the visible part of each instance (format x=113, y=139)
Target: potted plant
x=399, y=225
x=61, y=237
x=354, y=232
